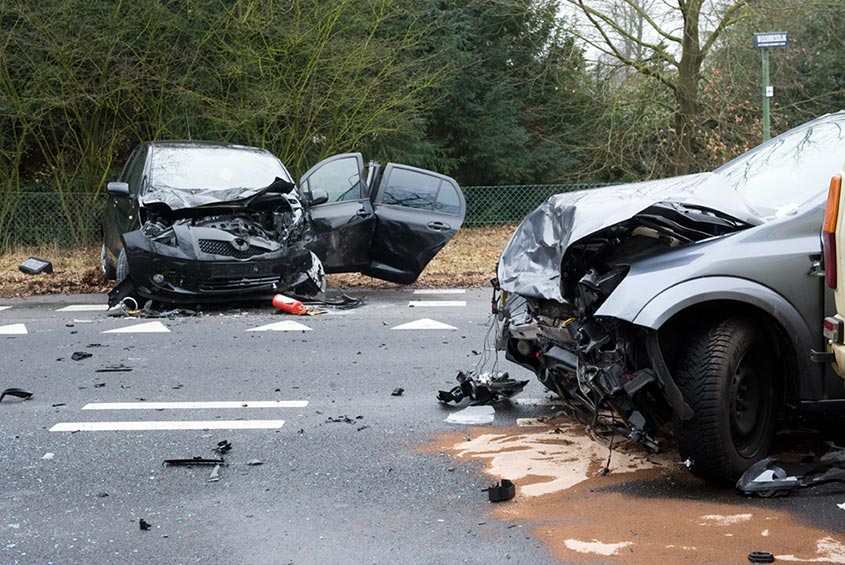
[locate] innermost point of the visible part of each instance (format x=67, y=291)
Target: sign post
x=764, y=41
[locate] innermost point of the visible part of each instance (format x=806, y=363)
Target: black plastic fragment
x=397, y=391
x=18, y=392
x=121, y=368
x=482, y=389
x=80, y=355
x=223, y=446
x=501, y=491
x=761, y=557
x=194, y=461
x=36, y=266
x=144, y=524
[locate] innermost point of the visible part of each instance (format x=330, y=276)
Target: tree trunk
x=686, y=94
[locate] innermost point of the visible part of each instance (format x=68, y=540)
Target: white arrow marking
x=168, y=425
x=424, y=324
x=4, y=308
x=195, y=405
x=436, y=303
x=287, y=326
x=147, y=328
x=84, y=308
x=13, y=329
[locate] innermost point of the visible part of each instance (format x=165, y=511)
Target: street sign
x=771, y=39
x=770, y=91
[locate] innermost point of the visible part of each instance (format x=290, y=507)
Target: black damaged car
x=190, y=222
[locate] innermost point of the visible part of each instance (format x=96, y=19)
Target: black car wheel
x=729, y=380
x=122, y=269
x=105, y=265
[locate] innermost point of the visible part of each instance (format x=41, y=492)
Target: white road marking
x=4, y=308
x=13, y=329
x=168, y=425
x=287, y=326
x=440, y=291
x=436, y=303
x=146, y=328
x=424, y=324
x=195, y=405
x=84, y=308
x=538, y=402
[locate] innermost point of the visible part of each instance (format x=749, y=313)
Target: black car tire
x=122, y=267
x=727, y=376
x=108, y=269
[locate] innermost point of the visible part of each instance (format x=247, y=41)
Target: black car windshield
x=213, y=168
x=781, y=174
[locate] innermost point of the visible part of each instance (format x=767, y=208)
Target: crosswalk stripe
x=13, y=329
x=84, y=308
x=146, y=328
x=195, y=405
x=436, y=303
x=440, y=291
x=286, y=326
x=424, y=324
x=167, y=425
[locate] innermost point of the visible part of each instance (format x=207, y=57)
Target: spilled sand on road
x=647, y=509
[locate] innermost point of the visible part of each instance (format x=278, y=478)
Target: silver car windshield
x=778, y=176
x=213, y=168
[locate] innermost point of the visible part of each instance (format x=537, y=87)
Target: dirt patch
x=468, y=260
x=648, y=509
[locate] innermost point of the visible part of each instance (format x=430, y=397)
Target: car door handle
x=363, y=212
x=437, y=226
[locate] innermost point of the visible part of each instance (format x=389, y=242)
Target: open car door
x=389, y=229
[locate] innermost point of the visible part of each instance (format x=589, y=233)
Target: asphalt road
x=346, y=472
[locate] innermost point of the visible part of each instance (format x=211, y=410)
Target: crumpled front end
x=605, y=367
x=253, y=248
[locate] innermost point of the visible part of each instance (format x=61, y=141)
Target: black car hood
x=180, y=199
x=530, y=264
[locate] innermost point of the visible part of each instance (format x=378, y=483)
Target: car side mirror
x=118, y=189
x=317, y=197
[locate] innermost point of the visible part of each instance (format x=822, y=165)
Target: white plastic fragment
x=48, y=455
x=473, y=415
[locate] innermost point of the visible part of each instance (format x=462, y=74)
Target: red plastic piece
x=289, y=305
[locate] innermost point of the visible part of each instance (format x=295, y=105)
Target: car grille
x=217, y=247
x=237, y=284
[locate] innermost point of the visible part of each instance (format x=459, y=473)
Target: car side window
x=448, y=201
x=340, y=179
x=411, y=189
x=135, y=171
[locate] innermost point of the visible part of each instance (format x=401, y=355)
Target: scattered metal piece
x=144, y=524
x=79, y=355
x=59, y=404
x=214, y=476
x=482, y=389
x=194, y=461
x=397, y=391
x=254, y=462
x=18, y=392
x=121, y=368
x=36, y=266
x=769, y=478
x=223, y=446
x=761, y=557
x=501, y=491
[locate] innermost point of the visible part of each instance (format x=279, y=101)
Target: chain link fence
x=40, y=218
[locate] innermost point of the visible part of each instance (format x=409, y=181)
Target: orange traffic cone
x=289, y=305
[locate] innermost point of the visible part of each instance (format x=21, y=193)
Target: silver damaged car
x=690, y=305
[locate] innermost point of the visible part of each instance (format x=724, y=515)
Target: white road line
x=13, y=329
x=195, y=405
x=4, y=308
x=424, y=324
x=287, y=326
x=539, y=402
x=436, y=303
x=84, y=308
x=440, y=291
x=146, y=328
x=168, y=425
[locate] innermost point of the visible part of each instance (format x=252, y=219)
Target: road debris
x=770, y=477
x=36, y=266
x=120, y=368
x=48, y=455
x=761, y=557
x=194, y=461
x=399, y=391
x=289, y=305
x=500, y=492
x=223, y=446
x=254, y=462
x=80, y=355
x=215, y=474
x=18, y=392
x=473, y=415
x=482, y=388
x=144, y=524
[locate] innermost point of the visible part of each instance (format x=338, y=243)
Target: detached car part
x=482, y=389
